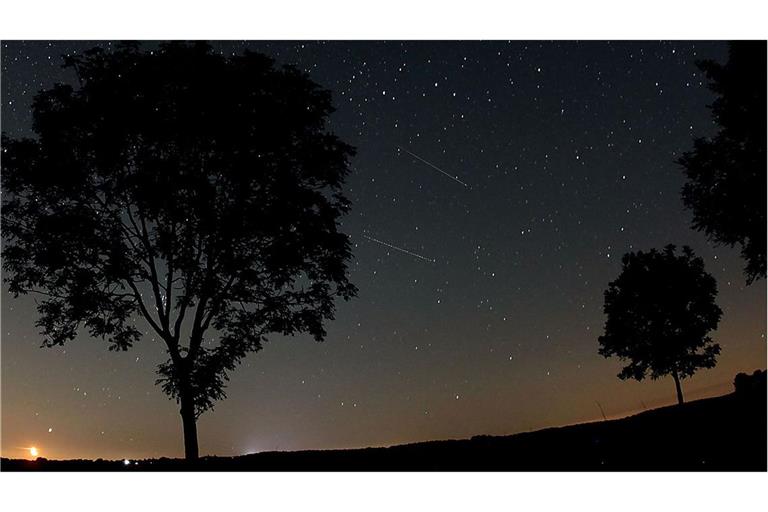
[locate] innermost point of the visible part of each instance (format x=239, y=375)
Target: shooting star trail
x=454, y=178
x=405, y=251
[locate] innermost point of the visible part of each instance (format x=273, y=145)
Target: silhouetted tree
x=197, y=191
x=726, y=174
x=660, y=310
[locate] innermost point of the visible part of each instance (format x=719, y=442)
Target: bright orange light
x=33, y=451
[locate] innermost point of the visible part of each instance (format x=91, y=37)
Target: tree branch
x=154, y=280
x=144, y=310
x=169, y=278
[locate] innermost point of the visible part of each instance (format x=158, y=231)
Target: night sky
x=495, y=189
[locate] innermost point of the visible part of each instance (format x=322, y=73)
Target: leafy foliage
x=191, y=189
x=727, y=173
x=659, y=313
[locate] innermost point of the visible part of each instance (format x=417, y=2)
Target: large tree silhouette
x=659, y=313
x=726, y=174
x=198, y=192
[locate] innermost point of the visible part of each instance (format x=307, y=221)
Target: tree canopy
x=192, y=190
x=726, y=174
x=660, y=311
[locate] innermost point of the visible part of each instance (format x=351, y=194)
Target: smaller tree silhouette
x=660, y=311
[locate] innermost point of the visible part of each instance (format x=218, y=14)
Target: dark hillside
x=725, y=433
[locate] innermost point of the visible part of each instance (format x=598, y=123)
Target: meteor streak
x=454, y=178
x=406, y=251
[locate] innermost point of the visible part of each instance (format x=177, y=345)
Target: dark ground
x=725, y=433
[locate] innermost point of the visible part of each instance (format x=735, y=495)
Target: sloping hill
x=726, y=433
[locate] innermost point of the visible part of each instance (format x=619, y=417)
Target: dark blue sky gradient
x=568, y=152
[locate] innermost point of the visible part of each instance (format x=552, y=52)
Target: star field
x=495, y=189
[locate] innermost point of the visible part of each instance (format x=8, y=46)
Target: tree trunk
x=679, y=389
x=189, y=421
